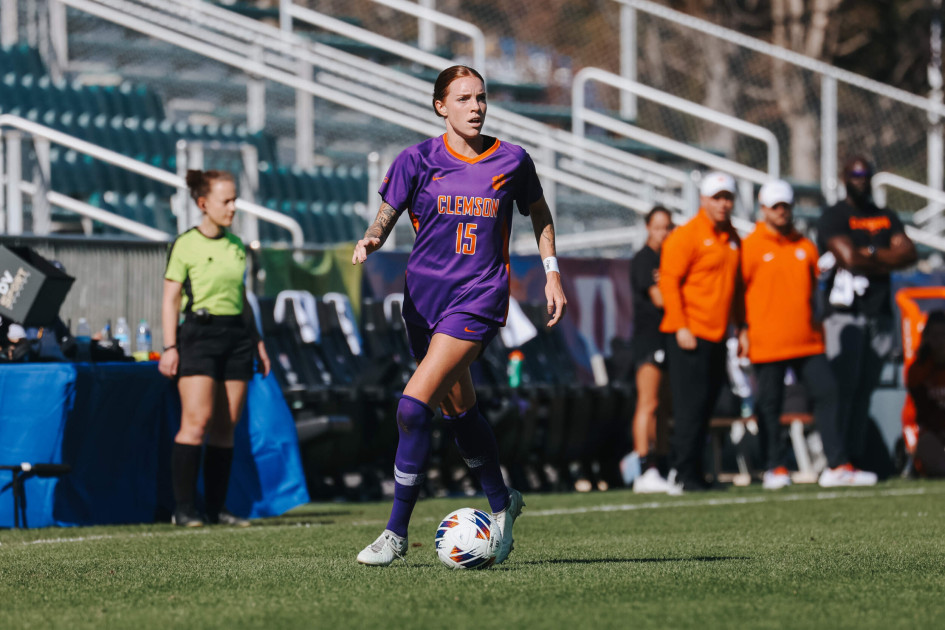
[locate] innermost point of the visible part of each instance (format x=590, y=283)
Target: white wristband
x=551, y=264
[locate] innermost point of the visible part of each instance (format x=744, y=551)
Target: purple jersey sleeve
x=462, y=210
x=529, y=190
x=400, y=183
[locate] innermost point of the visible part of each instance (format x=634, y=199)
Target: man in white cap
x=779, y=269
x=699, y=271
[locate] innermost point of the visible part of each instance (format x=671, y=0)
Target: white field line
x=625, y=507
x=820, y=496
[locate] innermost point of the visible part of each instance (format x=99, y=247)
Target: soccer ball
x=464, y=540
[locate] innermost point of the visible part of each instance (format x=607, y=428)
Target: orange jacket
x=698, y=270
x=780, y=279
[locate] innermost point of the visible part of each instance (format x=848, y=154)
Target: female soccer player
x=459, y=189
x=211, y=352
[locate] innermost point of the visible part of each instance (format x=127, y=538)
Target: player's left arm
x=544, y=228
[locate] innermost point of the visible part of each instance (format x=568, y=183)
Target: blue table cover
x=114, y=424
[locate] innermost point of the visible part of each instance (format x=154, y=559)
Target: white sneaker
x=504, y=521
x=384, y=550
x=846, y=475
x=651, y=482
x=675, y=488
x=630, y=468
x=776, y=478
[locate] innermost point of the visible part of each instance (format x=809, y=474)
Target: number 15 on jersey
x=466, y=238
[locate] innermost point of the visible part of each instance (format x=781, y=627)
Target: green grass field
x=800, y=558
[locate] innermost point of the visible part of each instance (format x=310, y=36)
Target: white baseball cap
x=775, y=192
x=716, y=182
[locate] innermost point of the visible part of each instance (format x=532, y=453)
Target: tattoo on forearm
x=383, y=223
x=548, y=238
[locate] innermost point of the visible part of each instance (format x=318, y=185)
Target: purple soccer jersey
x=461, y=209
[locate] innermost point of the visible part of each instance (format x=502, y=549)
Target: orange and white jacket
x=780, y=275
x=698, y=272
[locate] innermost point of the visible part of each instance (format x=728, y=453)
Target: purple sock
x=414, y=420
x=477, y=445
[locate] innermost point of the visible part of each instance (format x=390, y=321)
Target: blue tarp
x=114, y=423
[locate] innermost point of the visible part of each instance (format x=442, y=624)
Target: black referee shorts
x=221, y=349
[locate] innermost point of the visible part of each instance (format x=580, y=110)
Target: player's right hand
x=365, y=246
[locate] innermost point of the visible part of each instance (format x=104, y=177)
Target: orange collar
x=478, y=158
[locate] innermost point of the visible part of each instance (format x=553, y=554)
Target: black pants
x=821, y=386
x=696, y=378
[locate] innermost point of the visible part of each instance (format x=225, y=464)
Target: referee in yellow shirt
x=210, y=352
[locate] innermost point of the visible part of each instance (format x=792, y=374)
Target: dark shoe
x=186, y=518
x=225, y=518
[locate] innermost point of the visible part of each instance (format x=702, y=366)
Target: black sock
x=185, y=464
x=647, y=462
x=216, y=477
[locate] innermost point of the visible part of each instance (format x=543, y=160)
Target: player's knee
x=413, y=415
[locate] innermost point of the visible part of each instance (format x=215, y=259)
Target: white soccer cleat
x=675, y=487
x=651, y=482
x=776, y=478
x=388, y=547
x=504, y=521
x=846, y=475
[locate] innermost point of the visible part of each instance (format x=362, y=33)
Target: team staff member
x=211, y=352
x=779, y=269
x=460, y=190
x=699, y=272
x=649, y=357
x=867, y=243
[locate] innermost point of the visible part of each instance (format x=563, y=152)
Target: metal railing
x=830, y=77
x=580, y=114
x=348, y=78
x=44, y=136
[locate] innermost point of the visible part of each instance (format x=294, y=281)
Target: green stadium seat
x=21, y=60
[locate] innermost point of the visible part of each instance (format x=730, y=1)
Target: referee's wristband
x=550, y=264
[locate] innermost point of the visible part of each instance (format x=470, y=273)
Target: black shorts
x=649, y=349
x=222, y=349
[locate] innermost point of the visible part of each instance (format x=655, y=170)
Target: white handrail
x=446, y=21
x=883, y=180
x=795, y=58
x=342, y=98
x=682, y=149
x=141, y=168
x=418, y=90
x=367, y=37
x=668, y=100
x=248, y=65
x=528, y=132
x=97, y=214
x=106, y=217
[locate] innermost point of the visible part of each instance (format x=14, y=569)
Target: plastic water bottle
x=122, y=336
x=83, y=340
x=143, y=341
x=515, y=368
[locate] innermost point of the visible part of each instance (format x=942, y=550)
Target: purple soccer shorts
x=456, y=325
